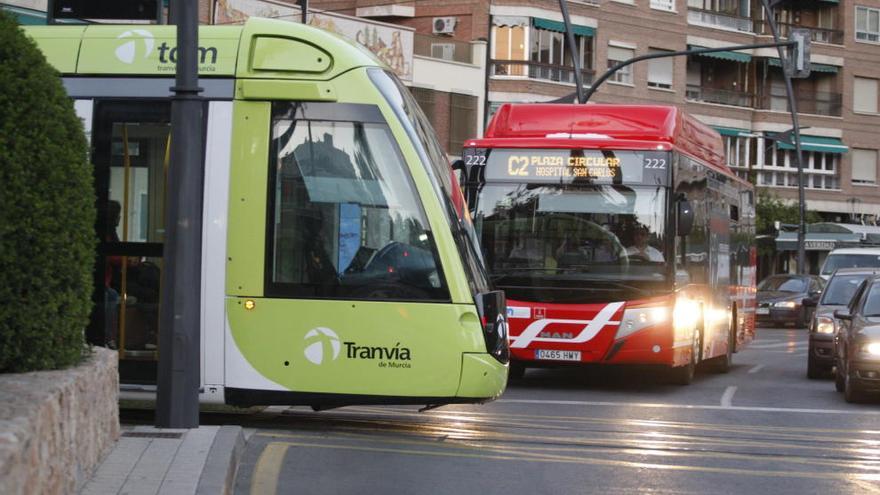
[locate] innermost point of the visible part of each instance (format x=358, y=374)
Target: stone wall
x=57, y=426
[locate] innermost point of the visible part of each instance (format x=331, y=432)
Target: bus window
x=345, y=222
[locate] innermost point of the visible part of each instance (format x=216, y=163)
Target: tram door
x=130, y=154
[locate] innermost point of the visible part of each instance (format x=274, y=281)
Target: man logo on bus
x=320, y=341
x=127, y=51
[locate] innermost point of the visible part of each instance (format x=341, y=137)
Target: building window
x=779, y=169
x=864, y=166
x=510, y=44
x=615, y=56
x=550, y=56
x=867, y=24
x=667, y=5
x=865, y=95
x=660, y=71
x=462, y=121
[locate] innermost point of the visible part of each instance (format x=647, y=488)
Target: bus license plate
x=557, y=355
x=763, y=311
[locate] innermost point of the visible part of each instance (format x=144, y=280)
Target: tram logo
x=321, y=342
x=127, y=51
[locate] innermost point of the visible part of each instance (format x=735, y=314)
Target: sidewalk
x=148, y=460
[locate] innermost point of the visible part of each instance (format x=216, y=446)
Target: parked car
x=857, y=343
x=838, y=293
x=780, y=299
x=850, y=258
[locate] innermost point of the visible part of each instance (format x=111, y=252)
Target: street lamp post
x=796, y=131
x=177, y=398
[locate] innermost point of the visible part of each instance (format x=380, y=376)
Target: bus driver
x=641, y=250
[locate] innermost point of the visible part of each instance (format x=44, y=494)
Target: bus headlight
x=785, y=304
x=636, y=319
x=824, y=324
x=685, y=316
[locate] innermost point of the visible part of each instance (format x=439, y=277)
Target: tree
x=769, y=209
x=47, y=213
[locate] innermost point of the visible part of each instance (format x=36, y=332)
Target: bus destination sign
x=572, y=166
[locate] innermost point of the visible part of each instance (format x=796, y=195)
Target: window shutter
x=865, y=95
x=620, y=54
x=864, y=166
x=660, y=70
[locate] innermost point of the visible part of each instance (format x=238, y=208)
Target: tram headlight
x=824, y=324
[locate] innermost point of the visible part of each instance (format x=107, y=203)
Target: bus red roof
x=549, y=125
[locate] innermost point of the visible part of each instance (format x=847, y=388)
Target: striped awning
x=743, y=58
x=560, y=27
x=732, y=131
x=817, y=143
x=830, y=69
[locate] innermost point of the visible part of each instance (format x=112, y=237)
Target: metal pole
x=177, y=401
x=697, y=51
x=786, y=74
x=304, y=5
x=575, y=53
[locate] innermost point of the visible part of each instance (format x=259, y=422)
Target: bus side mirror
x=685, y=218
x=460, y=172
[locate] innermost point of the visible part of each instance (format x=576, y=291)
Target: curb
x=218, y=475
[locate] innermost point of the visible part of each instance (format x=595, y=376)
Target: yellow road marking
x=634, y=440
x=264, y=480
x=635, y=450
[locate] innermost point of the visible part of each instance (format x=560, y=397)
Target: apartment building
x=471, y=56
x=741, y=94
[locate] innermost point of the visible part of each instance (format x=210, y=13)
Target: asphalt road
x=762, y=428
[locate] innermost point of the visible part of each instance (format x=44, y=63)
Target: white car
x=850, y=258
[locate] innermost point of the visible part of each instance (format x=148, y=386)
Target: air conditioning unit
x=444, y=25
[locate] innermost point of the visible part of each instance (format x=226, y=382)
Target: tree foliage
x=769, y=209
x=47, y=213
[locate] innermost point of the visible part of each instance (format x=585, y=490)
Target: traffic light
x=800, y=53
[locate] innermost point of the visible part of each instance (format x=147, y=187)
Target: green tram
x=339, y=267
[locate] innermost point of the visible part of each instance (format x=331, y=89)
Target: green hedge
x=47, y=213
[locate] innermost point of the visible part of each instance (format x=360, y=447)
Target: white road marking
x=687, y=406
x=779, y=344
x=727, y=398
x=756, y=368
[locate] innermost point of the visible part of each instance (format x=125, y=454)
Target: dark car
x=780, y=299
x=838, y=293
x=857, y=343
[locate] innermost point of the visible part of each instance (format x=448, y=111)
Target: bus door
x=130, y=154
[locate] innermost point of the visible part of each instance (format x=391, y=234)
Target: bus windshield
x=556, y=236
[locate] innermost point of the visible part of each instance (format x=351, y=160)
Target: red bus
x=618, y=233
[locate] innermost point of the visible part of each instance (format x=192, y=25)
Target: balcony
x=724, y=20
x=812, y=102
x=538, y=71
x=720, y=96
x=443, y=48
x=819, y=35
